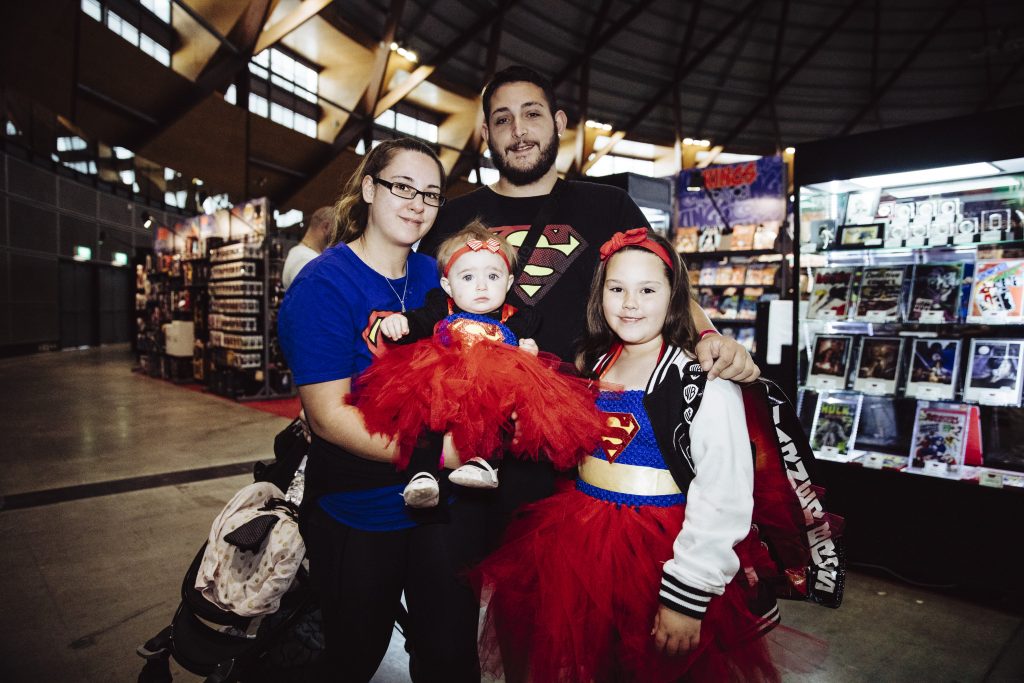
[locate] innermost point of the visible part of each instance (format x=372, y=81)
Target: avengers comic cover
x=835, y=424
x=881, y=292
x=830, y=294
x=940, y=436
x=935, y=293
x=997, y=296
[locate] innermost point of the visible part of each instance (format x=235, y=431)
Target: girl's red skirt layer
x=471, y=390
x=572, y=595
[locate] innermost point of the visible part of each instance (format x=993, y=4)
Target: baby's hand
x=529, y=346
x=675, y=633
x=395, y=326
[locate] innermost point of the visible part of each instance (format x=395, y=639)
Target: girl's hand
x=530, y=346
x=395, y=326
x=726, y=358
x=675, y=633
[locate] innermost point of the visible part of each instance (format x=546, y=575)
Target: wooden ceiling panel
x=208, y=143
x=346, y=62
x=197, y=44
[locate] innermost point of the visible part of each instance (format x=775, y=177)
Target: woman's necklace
x=405, y=289
x=362, y=255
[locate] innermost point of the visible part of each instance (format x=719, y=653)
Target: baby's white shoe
x=477, y=473
x=422, y=491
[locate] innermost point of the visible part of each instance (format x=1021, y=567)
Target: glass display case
x=911, y=320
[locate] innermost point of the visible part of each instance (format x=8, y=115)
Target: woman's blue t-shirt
x=329, y=326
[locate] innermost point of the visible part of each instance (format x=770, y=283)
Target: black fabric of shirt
x=558, y=278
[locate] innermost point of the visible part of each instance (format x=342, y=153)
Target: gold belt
x=635, y=480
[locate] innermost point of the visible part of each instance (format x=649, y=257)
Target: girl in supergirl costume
x=465, y=364
x=633, y=575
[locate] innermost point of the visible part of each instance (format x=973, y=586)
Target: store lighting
x=82, y=253
x=790, y=151
x=954, y=186
x=927, y=175
x=120, y=258
x=598, y=125
x=408, y=54
x=147, y=220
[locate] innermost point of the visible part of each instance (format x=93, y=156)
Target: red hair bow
x=637, y=237
x=490, y=245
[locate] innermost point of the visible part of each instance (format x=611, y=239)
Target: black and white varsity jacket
x=708, y=454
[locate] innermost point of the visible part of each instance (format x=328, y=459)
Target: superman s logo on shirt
x=374, y=338
x=558, y=246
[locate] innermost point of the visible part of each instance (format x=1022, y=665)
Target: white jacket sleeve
x=719, y=503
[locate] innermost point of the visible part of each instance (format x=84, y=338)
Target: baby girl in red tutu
x=466, y=364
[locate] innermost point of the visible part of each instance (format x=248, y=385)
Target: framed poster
x=881, y=294
x=831, y=355
x=934, y=364
x=997, y=296
x=830, y=293
x=878, y=365
x=935, y=293
x=940, y=439
x=994, y=372
x=861, y=235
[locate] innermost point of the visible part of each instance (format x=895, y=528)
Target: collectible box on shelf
x=940, y=438
x=835, y=425
x=686, y=239
x=708, y=273
x=829, y=360
x=766, y=234
x=742, y=238
x=861, y=207
x=878, y=365
x=997, y=296
x=861, y=236
x=730, y=304
x=723, y=274
x=935, y=293
x=934, y=367
x=748, y=304
x=830, y=293
x=994, y=372
x=709, y=238
x=881, y=294
x=711, y=301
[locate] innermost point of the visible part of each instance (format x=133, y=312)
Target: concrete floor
x=88, y=579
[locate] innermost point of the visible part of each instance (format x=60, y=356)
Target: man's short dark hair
x=518, y=74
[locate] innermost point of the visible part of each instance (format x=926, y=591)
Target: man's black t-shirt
x=556, y=282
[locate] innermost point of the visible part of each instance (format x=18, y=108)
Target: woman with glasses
x=365, y=547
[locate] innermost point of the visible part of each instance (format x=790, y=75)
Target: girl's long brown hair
x=351, y=209
x=679, y=329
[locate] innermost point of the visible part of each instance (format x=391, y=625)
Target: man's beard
x=531, y=174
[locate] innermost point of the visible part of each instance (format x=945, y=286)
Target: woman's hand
x=726, y=358
x=675, y=633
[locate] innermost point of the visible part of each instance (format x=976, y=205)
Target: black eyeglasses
x=409, y=192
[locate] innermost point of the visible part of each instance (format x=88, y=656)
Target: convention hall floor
x=110, y=481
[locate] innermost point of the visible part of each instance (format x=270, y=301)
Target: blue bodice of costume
x=471, y=327
x=628, y=442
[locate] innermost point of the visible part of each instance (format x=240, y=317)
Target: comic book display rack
x=209, y=304
x=912, y=328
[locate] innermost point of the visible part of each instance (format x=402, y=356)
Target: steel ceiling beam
x=684, y=50
x=896, y=73
x=730, y=62
x=581, y=152
x=991, y=96
x=703, y=52
x=424, y=71
x=793, y=70
x=233, y=55
x=616, y=26
x=780, y=38
x=469, y=156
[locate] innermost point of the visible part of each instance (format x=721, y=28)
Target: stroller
x=226, y=647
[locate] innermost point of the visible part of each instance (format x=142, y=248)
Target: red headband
x=492, y=245
x=637, y=237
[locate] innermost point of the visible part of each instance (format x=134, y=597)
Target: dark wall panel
x=31, y=182
x=114, y=239
x=32, y=227
x=77, y=197
x=34, y=307
x=117, y=210
x=116, y=300
x=77, y=232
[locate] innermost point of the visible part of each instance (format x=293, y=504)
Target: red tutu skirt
x=471, y=391
x=572, y=595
